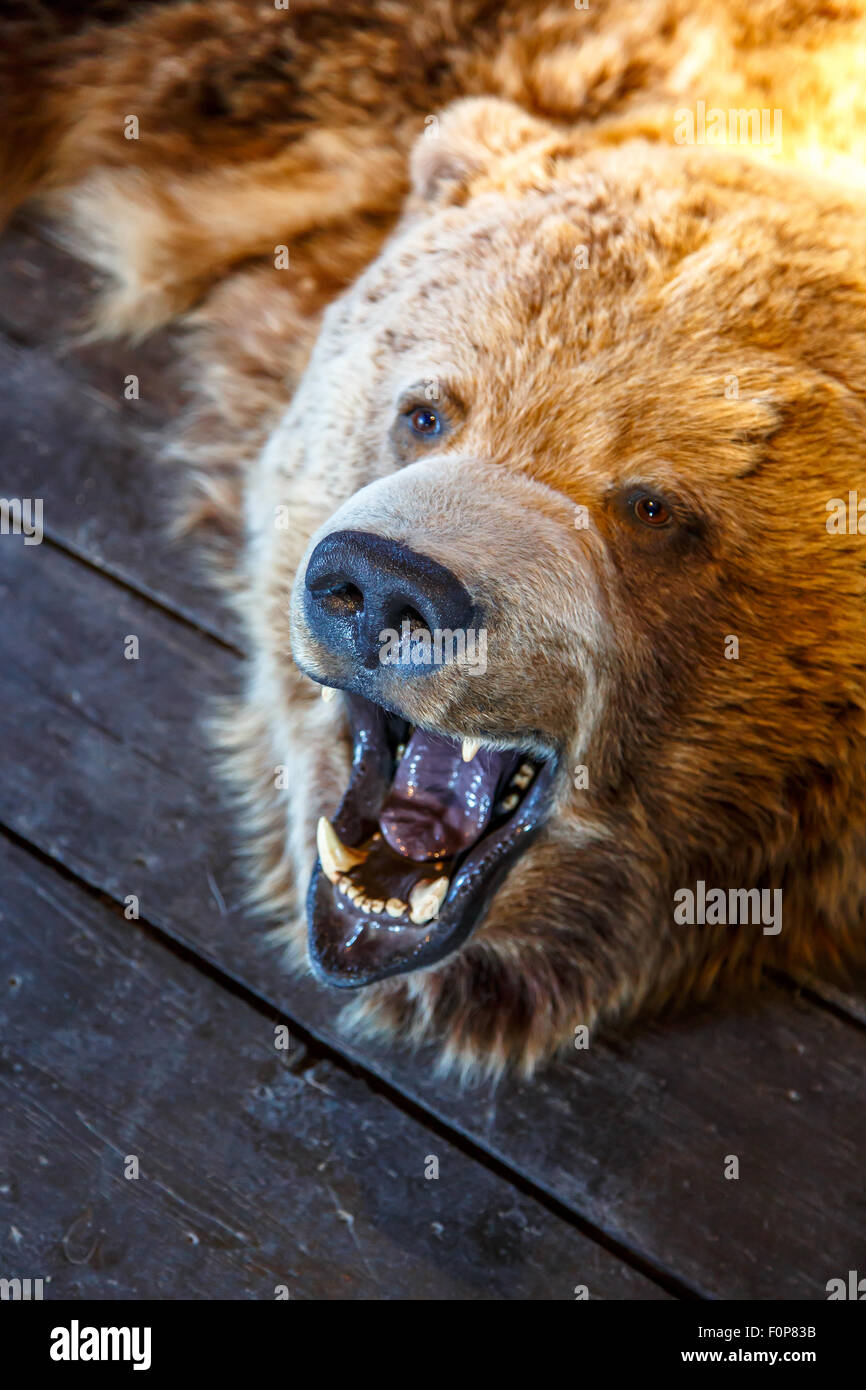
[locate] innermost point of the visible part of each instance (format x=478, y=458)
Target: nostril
x=360, y=585
x=413, y=618
x=339, y=599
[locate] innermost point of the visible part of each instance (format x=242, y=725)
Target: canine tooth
x=426, y=899
x=336, y=857
x=328, y=693
x=510, y=802
x=470, y=748
x=394, y=907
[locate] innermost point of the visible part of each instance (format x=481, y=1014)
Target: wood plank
x=848, y=999
x=72, y=439
x=253, y=1174
x=632, y=1136
x=46, y=301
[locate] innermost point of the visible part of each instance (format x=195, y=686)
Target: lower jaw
x=348, y=949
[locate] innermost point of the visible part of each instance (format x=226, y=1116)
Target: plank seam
x=106, y=572
x=317, y=1050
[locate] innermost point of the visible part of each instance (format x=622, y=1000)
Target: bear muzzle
x=456, y=760
x=361, y=589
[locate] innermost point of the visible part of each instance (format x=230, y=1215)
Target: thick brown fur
x=575, y=378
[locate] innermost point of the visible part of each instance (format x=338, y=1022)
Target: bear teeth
x=426, y=899
x=470, y=748
x=424, y=902
x=336, y=857
x=328, y=693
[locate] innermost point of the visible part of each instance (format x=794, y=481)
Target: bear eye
x=651, y=511
x=424, y=421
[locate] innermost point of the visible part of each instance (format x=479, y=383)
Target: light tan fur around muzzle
x=513, y=544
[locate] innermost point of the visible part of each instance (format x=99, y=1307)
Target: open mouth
x=424, y=835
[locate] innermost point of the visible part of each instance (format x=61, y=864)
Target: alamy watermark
x=22, y=516
x=77, y=1343
x=21, y=1290
x=851, y=1288
x=736, y=126
x=847, y=517
x=729, y=907
x=464, y=647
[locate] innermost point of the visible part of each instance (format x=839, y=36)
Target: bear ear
x=465, y=141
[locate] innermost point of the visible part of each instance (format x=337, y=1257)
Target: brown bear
x=567, y=511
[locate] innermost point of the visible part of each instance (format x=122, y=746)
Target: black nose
x=360, y=587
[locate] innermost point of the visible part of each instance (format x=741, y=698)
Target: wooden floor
x=155, y=1038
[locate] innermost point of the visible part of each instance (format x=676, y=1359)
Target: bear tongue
x=439, y=805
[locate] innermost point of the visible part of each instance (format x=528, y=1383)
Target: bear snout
x=468, y=575
x=362, y=591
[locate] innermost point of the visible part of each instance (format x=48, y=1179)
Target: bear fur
x=495, y=198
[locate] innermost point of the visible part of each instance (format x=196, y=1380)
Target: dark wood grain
x=259, y=1167
x=70, y=437
x=47, y=300
x=112, y=781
